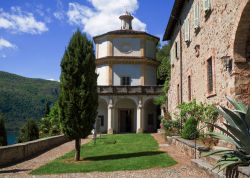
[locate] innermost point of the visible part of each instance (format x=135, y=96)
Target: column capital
x=139, y=107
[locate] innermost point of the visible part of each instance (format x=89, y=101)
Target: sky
x=35, y=33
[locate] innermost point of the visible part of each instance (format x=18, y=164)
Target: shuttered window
x=177, y=50
x=178, y=94
x=210, y=78
x=207, y=5
x=125, y=81
x=196, y=15
x=186, y=30
x=189, y=89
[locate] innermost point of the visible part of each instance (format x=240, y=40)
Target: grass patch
x=111, y=153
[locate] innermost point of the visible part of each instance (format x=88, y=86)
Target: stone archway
x=125, y=115
x=103, y=114
x=150, y=119
x=242, y=55
x=242, y=36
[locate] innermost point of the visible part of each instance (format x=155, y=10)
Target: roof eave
x=173, y=19
x=141, y=33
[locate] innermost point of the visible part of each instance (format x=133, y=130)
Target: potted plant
x=236, y=132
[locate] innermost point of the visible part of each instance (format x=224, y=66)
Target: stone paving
x=183, y=169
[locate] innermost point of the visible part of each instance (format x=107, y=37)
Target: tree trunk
x=77, y=148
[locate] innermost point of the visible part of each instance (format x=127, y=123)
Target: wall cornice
x=126, y=60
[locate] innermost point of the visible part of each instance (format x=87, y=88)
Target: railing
x=130, y=90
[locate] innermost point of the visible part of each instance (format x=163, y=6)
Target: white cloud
x=6, y=44
x=104, y=16
x=52, y=79
x=19, y=21
x=59, y=14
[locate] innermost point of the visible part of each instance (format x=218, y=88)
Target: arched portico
x=103, y=114
x=150, y=119
x=125, y=115
x=242, y=55
x=241, y=47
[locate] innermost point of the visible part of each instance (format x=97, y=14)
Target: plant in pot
x=210, y=115
x=236, y=131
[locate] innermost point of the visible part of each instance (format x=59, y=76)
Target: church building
x=126, y=65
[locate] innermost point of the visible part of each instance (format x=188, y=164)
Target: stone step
x=202, y=164
x=219, y=148
x=211, y=159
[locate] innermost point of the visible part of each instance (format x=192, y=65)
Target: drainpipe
x=181, y=69
x=181, y=81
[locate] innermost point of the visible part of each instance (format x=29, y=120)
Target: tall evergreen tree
x=78, y=99
x=3, y=135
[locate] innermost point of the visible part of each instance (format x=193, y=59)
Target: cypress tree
x=3, y=134
x=78, y=99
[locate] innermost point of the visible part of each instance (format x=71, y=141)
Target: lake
x=12, y=137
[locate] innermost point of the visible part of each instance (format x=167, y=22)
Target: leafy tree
x=29, y=131
x=50, y=125
x=47, y=109
x=78, y=99
x=163, y=73
x=164, y=69
x=3, y=135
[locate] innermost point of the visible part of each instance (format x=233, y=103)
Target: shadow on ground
x=14, y=171
x=122, y=156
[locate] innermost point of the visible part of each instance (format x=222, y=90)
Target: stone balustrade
x=130, y=90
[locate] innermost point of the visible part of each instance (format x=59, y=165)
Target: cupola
x=126, y=21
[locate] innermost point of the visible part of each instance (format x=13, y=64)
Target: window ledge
x=210, y=95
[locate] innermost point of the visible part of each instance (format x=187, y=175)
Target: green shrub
x=190, y=129
x=3, y=134
x=29, y=131
x=172, y=127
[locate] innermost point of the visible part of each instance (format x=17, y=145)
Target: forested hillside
x=22, y=98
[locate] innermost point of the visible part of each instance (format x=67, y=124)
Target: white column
x=139, y=118
x=162, y=111
x=110, y=117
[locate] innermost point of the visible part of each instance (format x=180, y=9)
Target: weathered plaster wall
x=103, y=72
x=126, y=47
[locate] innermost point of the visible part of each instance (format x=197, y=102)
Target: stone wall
x=22, y=151
x=188, y=147
x=215, y=39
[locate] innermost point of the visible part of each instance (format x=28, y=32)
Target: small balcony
x=129, y=90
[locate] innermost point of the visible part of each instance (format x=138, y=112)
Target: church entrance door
x=125, y=120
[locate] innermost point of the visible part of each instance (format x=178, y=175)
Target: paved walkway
x=22, y=169
x=183, y=169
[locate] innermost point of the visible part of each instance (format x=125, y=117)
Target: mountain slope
x=22, y=98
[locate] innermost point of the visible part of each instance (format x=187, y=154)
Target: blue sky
x=35, y=33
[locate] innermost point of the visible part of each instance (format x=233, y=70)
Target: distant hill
x=22, y=98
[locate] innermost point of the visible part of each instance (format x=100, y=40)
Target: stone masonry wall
x=22, y=151
x=215, y=38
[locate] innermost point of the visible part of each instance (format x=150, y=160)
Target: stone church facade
x=210, y=51
x=126, y=65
